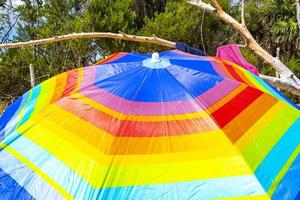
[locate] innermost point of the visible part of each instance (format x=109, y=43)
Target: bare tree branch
x=204, y=6
x=251, y=43
x=120, y=36
x=281, y=83
x=243, y=13
x=217, y=5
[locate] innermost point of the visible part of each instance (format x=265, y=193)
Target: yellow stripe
x=36, y=170
x=99, y=175
x=283, y=171
x=256, y=83
x=123, y=116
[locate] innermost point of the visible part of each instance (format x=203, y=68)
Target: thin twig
x=201, y=30
x=10, y=28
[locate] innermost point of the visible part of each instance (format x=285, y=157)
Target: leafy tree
x=272, y=23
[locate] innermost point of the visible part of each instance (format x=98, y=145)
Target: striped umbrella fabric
x=170, y=126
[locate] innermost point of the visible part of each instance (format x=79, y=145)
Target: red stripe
x=72, y=78
x=231, y=70
x=235, y=106
x=127, y=128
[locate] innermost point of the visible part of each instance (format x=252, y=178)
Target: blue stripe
x=105, y=71
x=289, y=186
x=7, y=115
x=298, y=196
x=11, y=124
x=159, y=85
x=26, y=104
x=203, y=66
x=10, y=189
x=279, y=155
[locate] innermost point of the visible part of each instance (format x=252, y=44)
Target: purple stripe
x=122, y=105
x=89, y=76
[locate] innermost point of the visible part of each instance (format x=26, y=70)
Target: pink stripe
x=160, y=108
x=89, y=76
x=218, y=68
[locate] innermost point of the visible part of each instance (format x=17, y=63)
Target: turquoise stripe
x=194, y=190
x=80, y=189
x=20, y=173
x=275, y=92
x=267, y=87
x=279, y=155
x=29, y=107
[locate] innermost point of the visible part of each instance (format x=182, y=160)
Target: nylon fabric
x=184, y=127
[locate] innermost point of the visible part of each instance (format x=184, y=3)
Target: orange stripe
x=242, y=122
x=235, y=106
x=147, y=145
x=222, y=65
x=61, y=81
x=238, y=70
x=109, y=144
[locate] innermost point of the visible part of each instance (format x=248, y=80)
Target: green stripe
x=269, y=136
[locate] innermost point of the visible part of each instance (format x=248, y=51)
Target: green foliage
x=179, y=22
x=273, y=24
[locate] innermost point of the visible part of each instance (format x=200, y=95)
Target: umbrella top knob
x=155, y=57
x=155, y=62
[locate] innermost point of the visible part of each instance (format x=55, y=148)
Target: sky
x=17, y=2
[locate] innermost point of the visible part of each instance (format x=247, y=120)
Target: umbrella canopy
x=170, y=126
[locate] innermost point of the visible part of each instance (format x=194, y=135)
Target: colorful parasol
x=162, y=126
